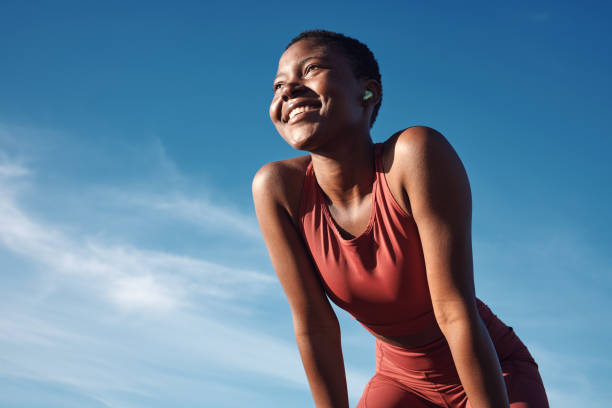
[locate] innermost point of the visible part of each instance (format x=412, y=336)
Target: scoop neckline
x=330, y=220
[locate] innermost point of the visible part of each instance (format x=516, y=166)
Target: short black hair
x=361, y=58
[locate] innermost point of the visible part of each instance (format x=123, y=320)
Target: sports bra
x=378, y=276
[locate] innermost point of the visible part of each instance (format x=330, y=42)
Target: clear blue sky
x=132, y=273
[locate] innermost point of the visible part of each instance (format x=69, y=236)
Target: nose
x=290, y=89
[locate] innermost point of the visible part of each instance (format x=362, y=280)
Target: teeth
x=300, y=109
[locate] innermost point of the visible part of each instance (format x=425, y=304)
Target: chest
x=384, y=266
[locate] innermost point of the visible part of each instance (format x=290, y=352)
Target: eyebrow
x=302, y=62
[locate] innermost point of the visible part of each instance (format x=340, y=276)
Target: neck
x=345, y=172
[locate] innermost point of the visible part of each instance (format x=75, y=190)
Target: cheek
x=275, y=107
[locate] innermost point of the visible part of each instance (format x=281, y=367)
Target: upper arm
x=440, y=198
x=272, y=194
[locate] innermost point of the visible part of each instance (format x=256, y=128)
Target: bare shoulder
x=424, y=167
x=420, y=148
x=281, y=181
x=419, y=143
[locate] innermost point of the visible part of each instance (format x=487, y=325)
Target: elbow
x=458, y=329
x=456, y=316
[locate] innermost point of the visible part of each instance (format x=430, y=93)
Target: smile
x=301, y=109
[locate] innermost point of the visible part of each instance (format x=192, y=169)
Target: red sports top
x=378, y=276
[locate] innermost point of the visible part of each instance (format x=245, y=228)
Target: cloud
x=128, y=276
x=12, y=170
x=141, y=291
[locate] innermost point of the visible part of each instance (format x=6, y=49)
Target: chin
x=304, y=138
x=304, y=144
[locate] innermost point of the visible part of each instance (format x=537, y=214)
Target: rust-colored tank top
x=378, y=276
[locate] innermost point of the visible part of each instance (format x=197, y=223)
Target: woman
x=385, y=231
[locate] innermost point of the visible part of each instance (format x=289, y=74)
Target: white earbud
x=367, y=95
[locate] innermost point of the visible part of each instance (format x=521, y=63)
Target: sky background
x=132, y=272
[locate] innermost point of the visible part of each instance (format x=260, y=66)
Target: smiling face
x=316, y=96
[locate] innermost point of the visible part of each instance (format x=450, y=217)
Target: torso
x=353, y=225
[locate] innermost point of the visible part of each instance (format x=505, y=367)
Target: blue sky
x=132, y=273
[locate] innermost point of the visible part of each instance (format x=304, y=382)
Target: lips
x=300, y=107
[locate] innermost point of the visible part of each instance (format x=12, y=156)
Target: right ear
x=372, y=92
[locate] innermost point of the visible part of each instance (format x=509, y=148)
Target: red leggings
x=426, y=376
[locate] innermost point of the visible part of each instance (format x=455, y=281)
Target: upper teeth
x=299, y=109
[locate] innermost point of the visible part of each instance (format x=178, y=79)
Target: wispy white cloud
x=12, y=170
x=128, y=276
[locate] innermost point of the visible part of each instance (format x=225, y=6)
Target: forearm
x=321, y=354
x=477, y=363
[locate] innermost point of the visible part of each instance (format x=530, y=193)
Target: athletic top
x=378, y=276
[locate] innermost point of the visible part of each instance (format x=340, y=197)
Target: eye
x=311, y=67
x=277, y=86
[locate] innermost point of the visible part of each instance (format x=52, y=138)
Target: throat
x=352, y=222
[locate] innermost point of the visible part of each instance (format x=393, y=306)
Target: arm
x=440, y=198
x=314, y=322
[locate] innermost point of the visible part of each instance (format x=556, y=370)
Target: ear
x=371, y=87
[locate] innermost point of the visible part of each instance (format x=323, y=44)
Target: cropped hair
x=359, y=55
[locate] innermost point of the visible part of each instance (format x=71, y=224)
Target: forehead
x=310, y=48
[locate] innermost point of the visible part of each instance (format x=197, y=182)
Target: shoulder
x=420, y=148
x=280, y=182
x=426, y=167
x=419, y=143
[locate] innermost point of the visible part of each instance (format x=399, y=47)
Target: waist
x=413, y=340
x=397, y=324
x=424, y=331
x=435, y=358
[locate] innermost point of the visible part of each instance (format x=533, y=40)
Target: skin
x=427, y=179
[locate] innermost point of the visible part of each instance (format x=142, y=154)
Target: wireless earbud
x=367, y=95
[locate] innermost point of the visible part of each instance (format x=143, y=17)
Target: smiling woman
x=384, y=231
